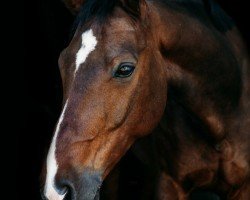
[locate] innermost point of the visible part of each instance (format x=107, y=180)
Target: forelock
x=97, y=10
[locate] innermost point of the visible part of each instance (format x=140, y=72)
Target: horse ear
x=73, y=5
x=135, y=7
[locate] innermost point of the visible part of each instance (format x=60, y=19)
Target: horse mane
x=101, y=9
x=98, y=9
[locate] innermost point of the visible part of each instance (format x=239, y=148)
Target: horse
x=173, y=71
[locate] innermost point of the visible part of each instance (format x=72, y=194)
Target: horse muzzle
x=80, y=187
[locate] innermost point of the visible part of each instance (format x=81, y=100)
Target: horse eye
x=124, y=70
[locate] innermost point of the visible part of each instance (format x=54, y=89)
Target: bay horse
x=175, y=70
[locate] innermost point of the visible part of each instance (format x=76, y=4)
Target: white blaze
x=52, y=165
x=88, y=45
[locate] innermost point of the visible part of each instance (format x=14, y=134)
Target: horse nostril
x=60, y=190
x=68, y=193
x=66, y=189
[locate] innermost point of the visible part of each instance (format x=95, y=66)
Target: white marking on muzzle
x=89, y=43
x=52, y=165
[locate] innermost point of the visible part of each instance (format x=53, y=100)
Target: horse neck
x=208, y=72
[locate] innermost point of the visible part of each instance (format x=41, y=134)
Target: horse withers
x=175, y=70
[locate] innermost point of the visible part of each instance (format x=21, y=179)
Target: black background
x=46, y=25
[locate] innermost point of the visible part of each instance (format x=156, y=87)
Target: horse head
x=114, y=92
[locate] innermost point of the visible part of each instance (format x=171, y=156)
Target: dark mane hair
x=98, y=9
x=101, y=9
